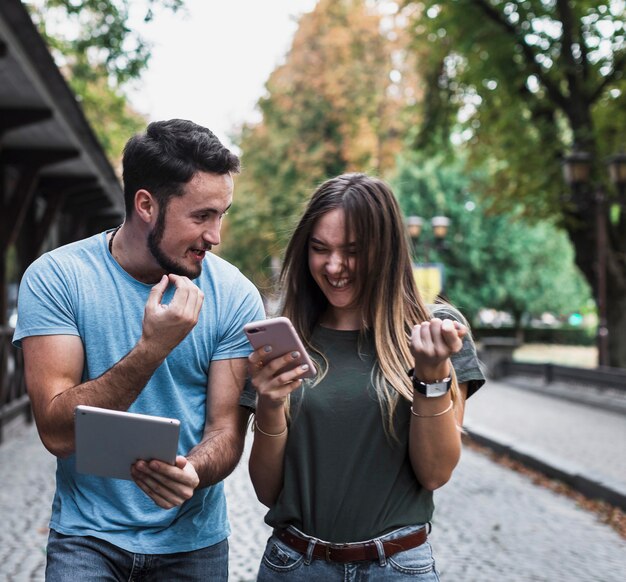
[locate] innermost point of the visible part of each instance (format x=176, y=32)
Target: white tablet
x=108, y=442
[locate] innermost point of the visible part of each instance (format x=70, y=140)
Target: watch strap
x=430, y=389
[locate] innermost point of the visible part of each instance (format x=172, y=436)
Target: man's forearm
x=219, y=452
x=116, y=389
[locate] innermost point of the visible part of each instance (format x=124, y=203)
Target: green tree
x=99, y=53
x=519, y=83
x=498, y=261
x=335, y=105
x=109, y=114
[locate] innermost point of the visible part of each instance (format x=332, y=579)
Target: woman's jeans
x=280, y=562
x=86, y=559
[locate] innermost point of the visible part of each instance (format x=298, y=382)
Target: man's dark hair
x=164, y=158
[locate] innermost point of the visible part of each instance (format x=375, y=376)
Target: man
x=143, y=318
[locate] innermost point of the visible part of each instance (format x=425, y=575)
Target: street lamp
x=577, y=174
x=430, y=277
x=439, y=226
x=617, y=172
x=414, y=226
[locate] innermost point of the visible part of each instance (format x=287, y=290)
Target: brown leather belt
x=353, y=552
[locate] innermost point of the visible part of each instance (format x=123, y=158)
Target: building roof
x=43, y=127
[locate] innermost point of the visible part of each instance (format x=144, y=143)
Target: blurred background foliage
x=491, y=259
x=331, y=108
x=466, y=107
x=100, y=54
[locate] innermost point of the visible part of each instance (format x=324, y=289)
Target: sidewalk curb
x=596, y=487
x=589, y=397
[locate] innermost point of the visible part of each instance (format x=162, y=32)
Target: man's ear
x=146, y=206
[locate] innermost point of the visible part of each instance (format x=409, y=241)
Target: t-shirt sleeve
x=244, y=305
x=44, y=305
x=466, y=364
x=248, y=396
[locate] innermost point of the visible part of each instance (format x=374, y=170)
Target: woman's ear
x=146, y=206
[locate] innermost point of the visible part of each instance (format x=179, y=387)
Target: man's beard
x=166, y=263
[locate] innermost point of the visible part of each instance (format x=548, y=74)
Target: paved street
x=575, y=437
x=491, y=524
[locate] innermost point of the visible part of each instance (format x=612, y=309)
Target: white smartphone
x=279, y=333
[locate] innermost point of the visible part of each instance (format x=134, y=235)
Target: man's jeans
x=85, y=559
x=282, y=563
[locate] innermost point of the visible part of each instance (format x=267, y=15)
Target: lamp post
x=577, y=174
x=617, y=172
x=439, y=225
x=430, y=277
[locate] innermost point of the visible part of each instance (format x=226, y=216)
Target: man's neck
x=129, y=248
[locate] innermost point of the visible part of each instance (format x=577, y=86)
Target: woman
x=347, y=464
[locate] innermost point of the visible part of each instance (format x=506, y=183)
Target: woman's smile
x=332, y=262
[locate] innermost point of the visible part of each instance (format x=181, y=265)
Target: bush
x=572, y=336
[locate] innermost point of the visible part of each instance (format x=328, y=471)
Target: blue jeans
x=282, y=563
x=85, y=558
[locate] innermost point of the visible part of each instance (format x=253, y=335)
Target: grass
x=577, y=356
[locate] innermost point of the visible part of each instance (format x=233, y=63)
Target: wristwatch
x=430, y=389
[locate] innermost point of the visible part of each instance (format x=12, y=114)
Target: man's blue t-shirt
x=79, y=289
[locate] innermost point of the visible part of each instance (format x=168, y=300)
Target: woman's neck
x=342, y=319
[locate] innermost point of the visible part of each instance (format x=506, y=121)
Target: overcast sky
x=211, y=66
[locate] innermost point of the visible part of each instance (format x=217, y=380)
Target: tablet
x=108, y=442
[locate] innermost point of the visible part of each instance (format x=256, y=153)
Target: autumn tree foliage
x=337, y=104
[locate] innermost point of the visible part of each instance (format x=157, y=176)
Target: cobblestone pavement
x=249, y=531
x=26, y=487
x=491, y=524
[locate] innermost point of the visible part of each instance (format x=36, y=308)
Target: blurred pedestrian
x=347, y=463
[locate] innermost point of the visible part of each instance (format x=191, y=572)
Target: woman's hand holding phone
x=268, y=378
x=279, y=362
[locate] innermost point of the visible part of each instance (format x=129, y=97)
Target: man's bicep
x=52, y=364
x=226, y=381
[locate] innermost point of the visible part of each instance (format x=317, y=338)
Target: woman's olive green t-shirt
x=345, y=480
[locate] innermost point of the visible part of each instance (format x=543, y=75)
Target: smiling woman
x=332, y=263
x=380, y=420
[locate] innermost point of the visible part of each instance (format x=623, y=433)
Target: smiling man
x=144, y=318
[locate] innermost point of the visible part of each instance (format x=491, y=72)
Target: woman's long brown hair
x=386, y=291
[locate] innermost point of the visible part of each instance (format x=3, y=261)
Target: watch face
x=437, y=389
